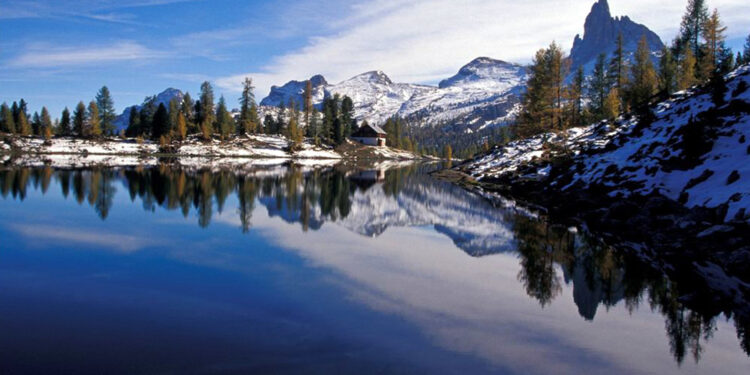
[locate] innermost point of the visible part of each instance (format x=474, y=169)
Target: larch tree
x=6, y=119
x=174, y=112
x=46, y=124
x=643, y=77
x=93, y=121
x=107, y=113
x=24, y=128
x=713, y=35
x=686, y=70
x=79, y=120
x=65, y=128
x=181, y=130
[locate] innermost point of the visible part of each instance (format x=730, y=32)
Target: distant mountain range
x=485, y=93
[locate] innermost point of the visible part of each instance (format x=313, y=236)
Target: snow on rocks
x=693, y=151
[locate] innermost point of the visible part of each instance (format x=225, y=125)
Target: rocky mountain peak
x=600, y=32
x=375, y=76
x=483, y=68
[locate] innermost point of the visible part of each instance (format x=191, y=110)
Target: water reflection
x=369, y=202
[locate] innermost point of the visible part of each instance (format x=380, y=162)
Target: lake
x=301, y=269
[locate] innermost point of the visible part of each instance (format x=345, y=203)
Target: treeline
x=698, y=55
x=90, y=121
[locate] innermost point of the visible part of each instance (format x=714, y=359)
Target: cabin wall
x=370, y=141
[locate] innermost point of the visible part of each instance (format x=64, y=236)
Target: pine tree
x=107, y=113
x=36, y=124
x=574, y=100
x=160, y=123
x=686, y=70
x=746, y=52
x=14, y=110
x=247, y=123
x=347, y=117
x=79, y=120
x=713, y=34
x=542, y=104
x=93, y=125
x=224, y=121
x=134, y=123
x=643, y=77
x=308, y=105
x=65, y=128
x=46, y=123
x=268, y=124
x=618, y=69
x=23, y=108
x=667, y=73
x=24, y=128
x=206, y=115
x=598, y=87
x=691, y=27
x=279, y=125
x=6, y=119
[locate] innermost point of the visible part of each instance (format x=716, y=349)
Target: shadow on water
x=368, y=202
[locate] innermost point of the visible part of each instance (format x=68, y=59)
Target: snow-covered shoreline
x=249, y=149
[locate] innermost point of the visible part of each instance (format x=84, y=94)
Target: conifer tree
x=347, y=117
x=174, y=112
x=206, y=114
x=24, y=128
x=611, y=108
x=746, y=52
x=279, y=125
x=181, y=130
x=448, y=152
x=134, y=122
x=79, y=119
x=160, y=123
x=713, y=34
x=146, y=116
x=574, y=99
x=598, y=87
x=643, y=76
x=107, y=113
x=46, y=123
x=6, y=119
x=93, y=126
x=292, y=130
x=268, y=124
x=224, y=121
x=188, y=110
x=14, y=110
x=36, y=124
x=308, y=105
x=618, y=69
x=667, y=73
x=686, y=70
x=23, y=108
x=247, y=122
x=542, y=103
x=65, y=128
x=691, y=27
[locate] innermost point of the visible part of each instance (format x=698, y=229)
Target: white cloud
x=425, y=40
x=44, y=56
x=103, y=240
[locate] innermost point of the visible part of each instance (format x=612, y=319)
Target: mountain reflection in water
x=372, y=202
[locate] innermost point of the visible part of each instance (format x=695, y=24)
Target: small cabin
x=371, y=135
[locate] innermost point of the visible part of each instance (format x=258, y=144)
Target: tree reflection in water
x=599, y=274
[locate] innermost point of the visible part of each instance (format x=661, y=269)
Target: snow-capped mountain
x=600, y=36
x=164, y=97
x=483, y=93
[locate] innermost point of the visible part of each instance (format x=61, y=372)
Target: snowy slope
x=693, y=151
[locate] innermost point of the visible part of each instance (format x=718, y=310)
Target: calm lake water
x=303, y=270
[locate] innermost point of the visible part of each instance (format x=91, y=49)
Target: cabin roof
x=374, y=128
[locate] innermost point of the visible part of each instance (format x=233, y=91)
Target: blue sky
x=55, y=53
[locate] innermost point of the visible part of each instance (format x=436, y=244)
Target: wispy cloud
x=425, y=40
x=46, y=57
